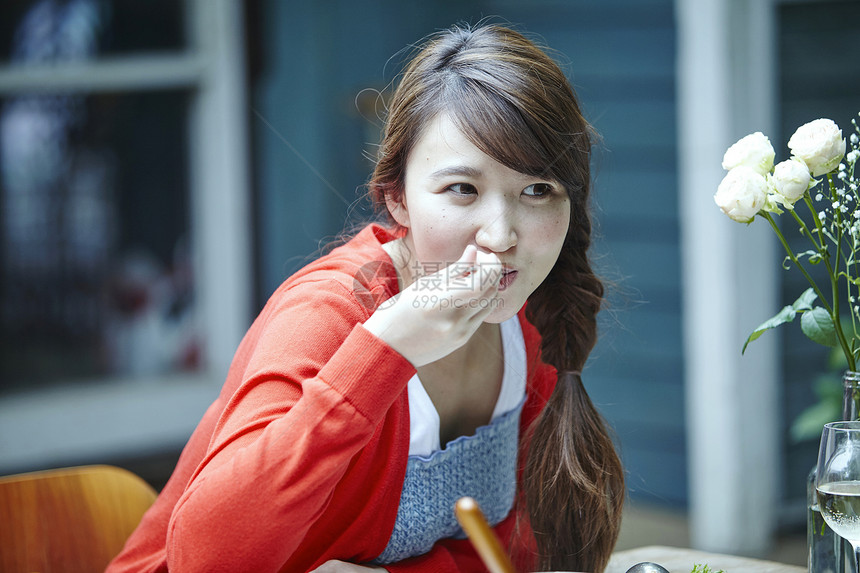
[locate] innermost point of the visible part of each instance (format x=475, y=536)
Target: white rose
x=819, y=144
x=754, y=151
x=790, y=180
x=741, y=194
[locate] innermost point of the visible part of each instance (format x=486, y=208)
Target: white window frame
x=78, y=421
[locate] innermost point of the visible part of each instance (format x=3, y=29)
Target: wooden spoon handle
x=486, y=543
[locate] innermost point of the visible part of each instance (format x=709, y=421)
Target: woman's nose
x=497, y=232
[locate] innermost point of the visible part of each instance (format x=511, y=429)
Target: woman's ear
x=397, y=208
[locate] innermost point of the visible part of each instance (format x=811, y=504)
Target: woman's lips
x=508, y=277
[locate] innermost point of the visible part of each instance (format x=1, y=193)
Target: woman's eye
x=462, y=189
x=538, y=190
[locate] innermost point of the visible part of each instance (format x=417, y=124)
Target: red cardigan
x=302, y=457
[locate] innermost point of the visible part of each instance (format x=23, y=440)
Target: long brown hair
x=513, y=102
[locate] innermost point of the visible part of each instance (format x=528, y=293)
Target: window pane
x=42, y=31
x=95, y=268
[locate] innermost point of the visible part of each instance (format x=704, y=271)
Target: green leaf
x=809, y=422
x=814, y=256
x=805, y=300
x=836, y=359
x=818, y=326
x=828, y=388
x=704, y=568
x=785, y=315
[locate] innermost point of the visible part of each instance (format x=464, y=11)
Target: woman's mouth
x=508, y=277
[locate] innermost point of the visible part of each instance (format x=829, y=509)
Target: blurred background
x=165, y=164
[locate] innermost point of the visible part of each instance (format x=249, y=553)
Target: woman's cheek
x=443, y=241
x=558, y=225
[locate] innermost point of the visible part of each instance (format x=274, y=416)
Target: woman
x=404, y=369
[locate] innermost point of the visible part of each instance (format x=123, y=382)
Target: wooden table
x=678, y=560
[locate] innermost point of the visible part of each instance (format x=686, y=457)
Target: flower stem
x=833, y=311
x=795, y=260
x=805, y=230
x=837, y=320
x=818, y=225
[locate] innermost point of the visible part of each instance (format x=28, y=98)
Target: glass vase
x=829, y=553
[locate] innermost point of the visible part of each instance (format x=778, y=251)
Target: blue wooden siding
x=620, y=56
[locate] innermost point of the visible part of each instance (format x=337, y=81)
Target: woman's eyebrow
x=457, y=170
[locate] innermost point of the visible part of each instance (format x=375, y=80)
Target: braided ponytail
x=574, y=481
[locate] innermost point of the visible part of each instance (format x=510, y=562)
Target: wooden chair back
x=73, y=520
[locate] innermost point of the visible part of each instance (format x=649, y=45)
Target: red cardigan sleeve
x=308, y=389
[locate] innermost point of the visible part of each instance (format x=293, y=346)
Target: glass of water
x=837, y=482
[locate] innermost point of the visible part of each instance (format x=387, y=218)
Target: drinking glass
x=837, y=483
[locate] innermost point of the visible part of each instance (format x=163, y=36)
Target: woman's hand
x=335, y=566
x=438, y=313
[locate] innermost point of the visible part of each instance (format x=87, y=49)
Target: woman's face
x=456, y=195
